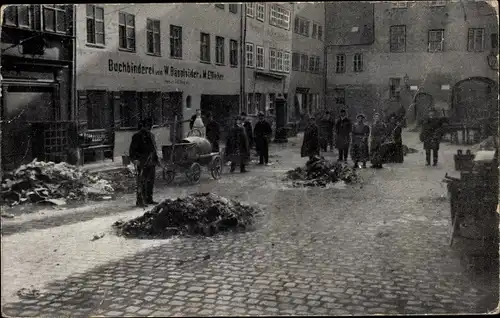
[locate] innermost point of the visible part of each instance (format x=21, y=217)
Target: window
x=476, y=40
x=301, y=26
x=296, y=25
x=175, y=41
x=233, y=52
x=439, y=3
x=249, y=54
x=304, y=59
x=358, y=62
x=339, y=95
x=126, y=27
x=54, y=17
x=436, y=41
x=205, y=47
x=340, y=63
x=494, y=40
x=261, y=11
x=250, y=9
x=286, y=62
x=398, y=38
x=320, y=32
x=399, y=4
x=315, y=31
x=153, y=36
x=318, y=62
x=95, y=24
x=233, y=8
x=312, y=63
x=260, y=57
x=279, y=17
x=273, y=61
x=395, y=88
x=19, y=16
x=279, y=59
x=296, y=61
x=219, y=50
x=219, y=5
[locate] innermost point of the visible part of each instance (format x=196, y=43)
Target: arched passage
x=474, y=99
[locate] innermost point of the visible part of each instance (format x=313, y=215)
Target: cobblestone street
x=381, y=247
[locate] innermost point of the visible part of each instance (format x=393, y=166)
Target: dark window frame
x=175, y=41
x=205, y=55
x=123, y=28
x=340, y=60
x=494, y=41
x=233, y=53
x=220, y=58
x=339, y=96
x=395, y=88
x=432, y=41
x=154, y=32
x=358, y=62
x=14, y=11
x=395, y=39
x=58, y=10
x=93, y=21
x=471, y=39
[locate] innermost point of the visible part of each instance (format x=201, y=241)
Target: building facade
x=37, y=43
x=308, y=57
x=267, y=30
x=159, y=60
x=413, y=55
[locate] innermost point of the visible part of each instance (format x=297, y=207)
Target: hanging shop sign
x=165, y=70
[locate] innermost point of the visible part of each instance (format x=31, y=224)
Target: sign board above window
x=445, y=87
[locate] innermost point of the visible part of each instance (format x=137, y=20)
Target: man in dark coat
x=145, y=157
x=262, y=134
x=248, y=129
x=431, y=135
x=395, y=149
x=343, y=128
x=310, y=144
x=213, y=132
x=326, y=131
x=237, y=148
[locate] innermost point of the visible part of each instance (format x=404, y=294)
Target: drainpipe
x=325, y=61
x=1, y=102
x=73, y=113
x=243, y=35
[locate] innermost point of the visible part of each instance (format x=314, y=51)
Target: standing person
x=310, y=144
x=378, y=135
x=395, y=150
x=213, y=132
x=197, y=123
x=326, y=131
x=143, y=153
x=343, y=128
x=237, y=149
x=431, y=135
x=248, y=129
x=262, y=134
x=360, y=134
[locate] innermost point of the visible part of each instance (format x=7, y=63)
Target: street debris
x=407, y=150
x=197, y=214
x=28, y=293
x=320, y=172
x=97, y=237
x=50, y=183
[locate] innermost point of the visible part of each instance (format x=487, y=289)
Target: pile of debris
x=320, y=172
x=197, y=214
x=41, y=181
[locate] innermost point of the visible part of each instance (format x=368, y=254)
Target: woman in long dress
x=378, y=133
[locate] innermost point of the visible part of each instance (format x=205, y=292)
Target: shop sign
x=166, y=70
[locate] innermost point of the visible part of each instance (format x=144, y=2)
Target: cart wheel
x=194, y=173
x=216, y=167
x=168, y=176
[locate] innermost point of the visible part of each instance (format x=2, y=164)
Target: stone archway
x=474, y=99
x=423, y=102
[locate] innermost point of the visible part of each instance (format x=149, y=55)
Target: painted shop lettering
x=132, y=68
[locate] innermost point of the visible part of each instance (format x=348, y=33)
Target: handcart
x=188, y=157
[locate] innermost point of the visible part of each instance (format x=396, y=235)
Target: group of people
x=386, y=143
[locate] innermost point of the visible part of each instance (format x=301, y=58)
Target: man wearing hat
x=262, y=134
x=343, y=128
x=360, y=134
x=237, y=148
x=145, y=158
x=248, y=128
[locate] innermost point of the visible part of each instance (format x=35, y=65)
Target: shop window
x=205, y=47
x=126, y=30
x=175, y=41
x=233, y=52
x=340, y=66
x=153, y=36
x=219, y=50
x=395, y=89
x=129, y=109
x=19, y=15
x=475, y=40
x=54, y=18
x=95, y=24
x=398, y=38
x=233, y=8
x=97, y=110
x=151, y=107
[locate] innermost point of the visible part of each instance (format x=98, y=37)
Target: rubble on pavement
x=197, y=214
x=320, y=172
x=48, y=182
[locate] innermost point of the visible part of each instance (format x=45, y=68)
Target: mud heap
x=320, y=172
x=41, y=181
x=197, y=214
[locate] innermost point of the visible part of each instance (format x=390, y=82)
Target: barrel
x=203, y=146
